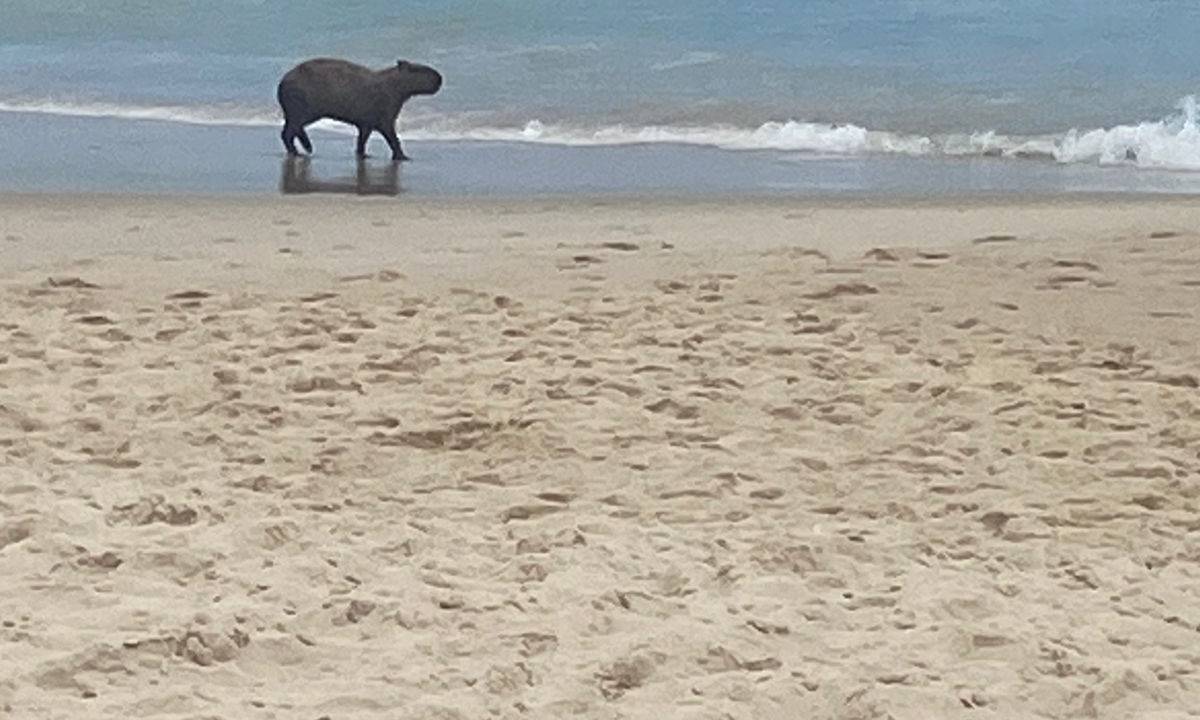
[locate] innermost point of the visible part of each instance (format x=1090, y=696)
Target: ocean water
x=1046, y=85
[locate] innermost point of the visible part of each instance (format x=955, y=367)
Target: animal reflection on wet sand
x=296, y=178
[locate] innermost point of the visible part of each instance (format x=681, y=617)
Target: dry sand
x=375, y=459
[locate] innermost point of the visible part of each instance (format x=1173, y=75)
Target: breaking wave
x=1169, y=143
x=189, y=115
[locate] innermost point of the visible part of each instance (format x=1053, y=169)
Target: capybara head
x=417, y=79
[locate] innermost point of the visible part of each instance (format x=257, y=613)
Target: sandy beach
x=359, y=458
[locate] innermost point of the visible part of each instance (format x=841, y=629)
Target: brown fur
x=368, y=99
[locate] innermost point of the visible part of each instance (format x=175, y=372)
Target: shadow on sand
x=296, y=178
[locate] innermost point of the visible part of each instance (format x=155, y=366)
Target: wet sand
x=97, y=155
x=322, y=457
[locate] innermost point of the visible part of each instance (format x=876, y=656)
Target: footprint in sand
x=71, y=282
x=355, y=278
x=190, y=295
x=94, y=320
x=840, y=289
x=579, y=261
x=1077, y=264
x=153, y=509
x=881, y=255
x=620, y=246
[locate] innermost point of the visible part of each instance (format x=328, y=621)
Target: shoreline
x=1013, y=198
x=99, y=154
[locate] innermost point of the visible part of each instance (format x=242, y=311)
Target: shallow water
x=918, y=66
x=56, y=154
x=1069, y=82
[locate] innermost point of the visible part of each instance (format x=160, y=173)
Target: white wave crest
x=992, y=144
x=1172, y=143
x=787, y=136
x=190, y=115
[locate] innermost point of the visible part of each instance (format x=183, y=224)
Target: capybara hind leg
x=393, y=142
x=364, y=134
x=302, y=134
x=289, y=138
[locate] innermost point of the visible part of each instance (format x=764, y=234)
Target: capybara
x=370, y=100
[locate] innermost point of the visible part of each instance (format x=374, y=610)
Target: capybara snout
x=421, y=79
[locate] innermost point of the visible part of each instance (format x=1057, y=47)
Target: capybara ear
x=401, y=64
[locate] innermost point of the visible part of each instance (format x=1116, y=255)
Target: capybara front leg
x=364, y=134
x=393, y=142
x=302, y=135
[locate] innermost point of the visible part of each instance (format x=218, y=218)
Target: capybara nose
x=437, y=85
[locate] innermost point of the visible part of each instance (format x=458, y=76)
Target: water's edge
x=1169, y=143
x=57, y=153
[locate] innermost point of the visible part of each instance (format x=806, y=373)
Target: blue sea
x=758, y=96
